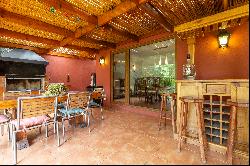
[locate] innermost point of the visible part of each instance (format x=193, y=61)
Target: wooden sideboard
x=216, y=111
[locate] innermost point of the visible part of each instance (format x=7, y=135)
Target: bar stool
x=185, y=101
x=233, y=127
x=163, y=110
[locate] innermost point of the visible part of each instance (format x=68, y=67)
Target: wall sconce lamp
x=102, y=60
x=223, y=38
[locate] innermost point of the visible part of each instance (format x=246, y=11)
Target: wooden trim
x=118, y=10
x=121, y=33
x=154, y=13
x=127, y=76
x=227, y=15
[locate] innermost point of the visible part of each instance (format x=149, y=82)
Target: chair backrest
x=78, y=100
x=35, y=106
x=61, y=99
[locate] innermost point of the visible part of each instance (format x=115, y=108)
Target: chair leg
x=102, y=113
x=46, y=130
x=200, y=133
x=2, y=130
x=231, y=134
x=88, y=123
x=180, y=127
x=14, y=148
x=57, y=132
x=8, y=128
x=54, y=128
x=63, y=129
x=172, y=114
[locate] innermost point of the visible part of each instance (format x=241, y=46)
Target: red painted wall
x=103, y=74
x=211, y=61
x=78, y=70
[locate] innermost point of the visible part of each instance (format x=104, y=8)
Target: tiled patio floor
x=121, y=138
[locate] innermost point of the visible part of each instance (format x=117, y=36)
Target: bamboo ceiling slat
x=72, y=52
x=24, y=42
x=36, y=10
x=136, y=22
x=95, y=7
x=106, y=35
x=6, y=24
x=182, y=11
x=81, y=43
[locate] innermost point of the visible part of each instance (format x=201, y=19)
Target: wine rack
x=216, y=118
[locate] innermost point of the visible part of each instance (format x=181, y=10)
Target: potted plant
x=55, y=89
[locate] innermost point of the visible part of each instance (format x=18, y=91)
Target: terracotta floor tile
x=121, y=138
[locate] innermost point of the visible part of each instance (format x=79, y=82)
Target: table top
x=5, y=104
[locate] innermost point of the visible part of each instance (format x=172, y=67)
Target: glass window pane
x=152, y=71
x=119, y=77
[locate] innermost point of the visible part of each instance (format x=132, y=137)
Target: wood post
x=191, y=48
x=231, y=134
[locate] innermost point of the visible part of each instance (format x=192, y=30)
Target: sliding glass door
x=119, y=77
x=142, y=74
x=152, y=72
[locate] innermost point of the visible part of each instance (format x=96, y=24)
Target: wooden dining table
x=10, y=105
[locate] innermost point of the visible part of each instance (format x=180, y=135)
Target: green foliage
x=55, y=89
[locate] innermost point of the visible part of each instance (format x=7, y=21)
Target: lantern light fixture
x=223, y=38
x=102, y=60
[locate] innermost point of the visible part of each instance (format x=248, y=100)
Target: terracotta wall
x=211, y=61
x=103, y=74
x=78, y=70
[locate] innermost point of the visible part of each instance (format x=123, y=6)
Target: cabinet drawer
x=216, y=88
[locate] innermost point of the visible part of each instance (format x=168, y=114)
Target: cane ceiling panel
x=23, y=42
x=6, y=24
x=72, y=52
x=51, y=26
x=82, y=43
x=95, y=7
x=39, y=11
x=106, y=35
x=136, y=22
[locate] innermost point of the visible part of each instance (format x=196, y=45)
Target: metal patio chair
x=34, y=112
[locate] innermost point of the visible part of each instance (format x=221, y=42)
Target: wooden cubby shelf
x=216, y=118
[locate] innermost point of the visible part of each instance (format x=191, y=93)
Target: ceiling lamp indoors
x=223, y=38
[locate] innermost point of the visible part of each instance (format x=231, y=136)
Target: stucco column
x=191, y=48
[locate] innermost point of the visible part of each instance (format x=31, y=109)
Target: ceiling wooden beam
x=21, y=36
x=121, y=32
x=35, y=24
x=154, y=13
x=67, y=7
x=12, y=45
x=89, y=50
x=118, y=10
x=105, y=18
x=227, y=15
x=99, y=42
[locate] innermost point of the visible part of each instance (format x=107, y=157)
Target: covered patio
x=124, y=82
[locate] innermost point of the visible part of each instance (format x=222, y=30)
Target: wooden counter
x=216, y=112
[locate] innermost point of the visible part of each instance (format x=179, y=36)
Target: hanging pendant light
x=160, y=60
x=166, y=60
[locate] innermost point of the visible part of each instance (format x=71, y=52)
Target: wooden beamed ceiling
x=81, y=28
